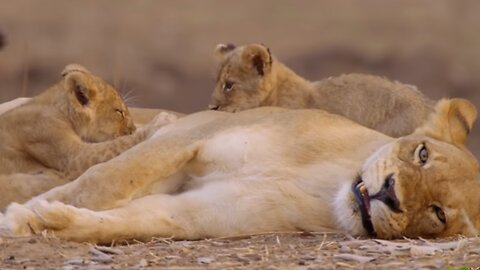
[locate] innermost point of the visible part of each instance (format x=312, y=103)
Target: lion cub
x=249, y=77
x=57, y=135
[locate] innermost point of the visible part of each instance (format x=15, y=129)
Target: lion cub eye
x=421, y=154
x=122, y=113
x=227, y=86
x=440, y=214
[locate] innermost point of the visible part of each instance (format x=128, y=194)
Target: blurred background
x=160, y=53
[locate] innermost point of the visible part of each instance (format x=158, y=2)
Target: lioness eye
x=122, y=113
x=440, y=214
x=227, y=86
x=422, y=154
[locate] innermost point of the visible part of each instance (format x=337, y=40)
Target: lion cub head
x=95, y=109
x=244, y=78
x=425, y=184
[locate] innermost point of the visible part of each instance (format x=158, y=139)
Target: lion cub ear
x=221, y=50
x=76, y=80
x=257, y=56
x=452, y=121
x=74, y=67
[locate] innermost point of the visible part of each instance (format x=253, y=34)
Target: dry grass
x=269, y=251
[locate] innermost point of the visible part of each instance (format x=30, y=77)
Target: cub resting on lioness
x=250, y=77
x=55, y=136
x=141, y=116
x=268, y=169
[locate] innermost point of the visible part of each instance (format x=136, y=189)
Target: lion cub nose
x=387, y=194
x=213, y=107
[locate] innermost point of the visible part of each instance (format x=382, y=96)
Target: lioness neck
x=287, y=89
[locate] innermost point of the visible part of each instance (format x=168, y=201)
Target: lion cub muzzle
x=213, y=107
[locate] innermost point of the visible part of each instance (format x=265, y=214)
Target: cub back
x=249, y=76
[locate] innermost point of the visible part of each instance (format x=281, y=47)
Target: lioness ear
x=451, y=122
x=221, y=50
x=75, y=79
x=257, y=56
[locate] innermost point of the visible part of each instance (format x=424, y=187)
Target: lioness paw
x=54, y=215
x=19, y=221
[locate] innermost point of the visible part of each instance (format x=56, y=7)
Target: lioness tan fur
x=249, y=76
x=215, y=174
x=54, y=137
x=9, y=105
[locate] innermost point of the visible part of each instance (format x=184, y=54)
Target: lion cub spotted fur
x=250, y=77
x=56, y=136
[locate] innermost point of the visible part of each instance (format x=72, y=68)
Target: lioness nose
x=387, y=194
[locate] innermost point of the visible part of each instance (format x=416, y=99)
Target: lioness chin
x=215, y=174
x=249, y=77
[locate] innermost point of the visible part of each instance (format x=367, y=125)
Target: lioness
x=9, y=105
x=54, y=137
x=268, y=169
x=249, y=76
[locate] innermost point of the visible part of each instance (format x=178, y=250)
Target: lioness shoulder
x=249, y=76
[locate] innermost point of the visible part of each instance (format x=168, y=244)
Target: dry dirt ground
x=161, y=52
x=270, y=251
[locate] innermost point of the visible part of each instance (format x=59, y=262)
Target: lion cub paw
x=162, y=119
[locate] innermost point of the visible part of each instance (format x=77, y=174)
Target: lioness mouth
x=363, y=200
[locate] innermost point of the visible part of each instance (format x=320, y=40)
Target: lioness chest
x=278, y=153
x=238, y=151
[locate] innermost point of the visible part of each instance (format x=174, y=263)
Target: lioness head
x=425, y=184
x=244, y=77
x=97, y=111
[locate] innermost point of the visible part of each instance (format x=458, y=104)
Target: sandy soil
x=161, y=53
x=271, y=251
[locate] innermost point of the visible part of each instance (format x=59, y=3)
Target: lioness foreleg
x=20, y=187
x=222, y=209
x=114, y=183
